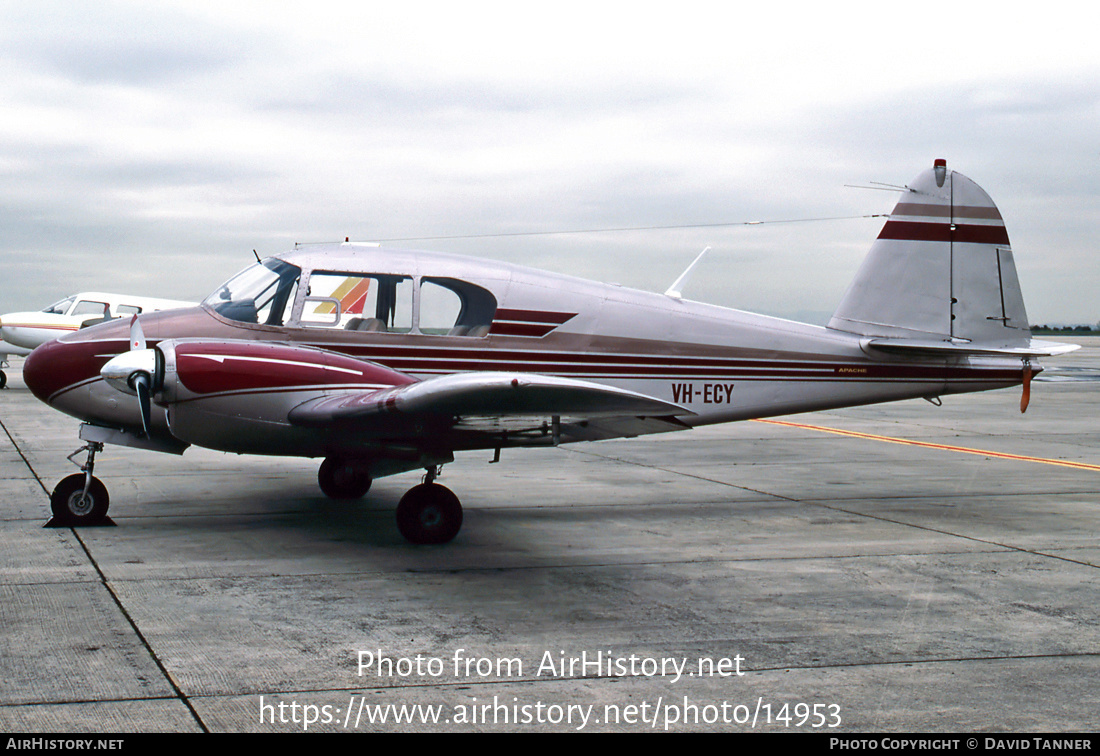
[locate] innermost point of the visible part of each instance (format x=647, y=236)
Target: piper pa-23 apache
x=383, y=360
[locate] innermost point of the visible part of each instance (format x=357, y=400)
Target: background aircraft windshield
x=60, y=308
x=262, y=293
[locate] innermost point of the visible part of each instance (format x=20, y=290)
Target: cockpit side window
x=358, y=302
x=452, y=307
x=262, y=293
x=88, y=307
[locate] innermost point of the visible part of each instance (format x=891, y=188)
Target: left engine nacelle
x=236, y=395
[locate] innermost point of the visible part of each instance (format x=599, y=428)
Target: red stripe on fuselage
x=533, y=316
x=531, y=323
x=520, y=329
x=78, y=362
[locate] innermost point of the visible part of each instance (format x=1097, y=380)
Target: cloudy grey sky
x=149, y=147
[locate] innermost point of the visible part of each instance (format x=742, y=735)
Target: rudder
x=941, y=269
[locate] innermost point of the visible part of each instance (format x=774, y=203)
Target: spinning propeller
x=138, y=372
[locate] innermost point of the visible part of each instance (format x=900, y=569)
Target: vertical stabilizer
x=941, y=269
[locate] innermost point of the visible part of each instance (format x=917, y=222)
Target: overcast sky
x=150, y=147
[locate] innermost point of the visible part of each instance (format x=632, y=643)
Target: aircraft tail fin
x=941, y=270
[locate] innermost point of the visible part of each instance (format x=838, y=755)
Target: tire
x=429, y=514
x=343, y=479
x=71, y=508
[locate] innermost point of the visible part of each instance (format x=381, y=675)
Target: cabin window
x=88, y=307
x=385, y=303
x=262, y=293
x=356, y=302
x=450, y=307
x=128, y=310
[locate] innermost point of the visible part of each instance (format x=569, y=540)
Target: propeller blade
x=139, y=373
x=137, y=336
x=140, y=383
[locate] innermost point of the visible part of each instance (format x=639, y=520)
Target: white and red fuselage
x=236, y=380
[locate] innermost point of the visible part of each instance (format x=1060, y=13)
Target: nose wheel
x=81, y=498
x=74, y=504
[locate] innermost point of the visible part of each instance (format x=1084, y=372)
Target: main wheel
x=71, y=506
x=3, y=379
x=429, y=513
x=343, y=478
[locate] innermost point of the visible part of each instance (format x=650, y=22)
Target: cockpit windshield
x=60, y=308
x=262, y=293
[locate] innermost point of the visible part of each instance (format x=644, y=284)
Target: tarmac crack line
x=940, y=531
x=23, y=456
x=179, y=694
x=851, y=512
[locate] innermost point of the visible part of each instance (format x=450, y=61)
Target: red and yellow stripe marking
x=929, y=445
x=351, y=294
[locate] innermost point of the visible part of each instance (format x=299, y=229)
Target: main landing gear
x=427, y=514
x=343, y=478
x=81, y=499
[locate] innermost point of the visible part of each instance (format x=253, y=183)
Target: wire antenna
x=879, y=186
x=629, y=228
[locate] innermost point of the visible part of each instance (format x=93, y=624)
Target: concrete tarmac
x=744, y=577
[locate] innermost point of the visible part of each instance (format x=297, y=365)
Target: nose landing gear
x=80, y=499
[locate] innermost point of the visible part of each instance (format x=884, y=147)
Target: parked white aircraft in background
x=23, y=331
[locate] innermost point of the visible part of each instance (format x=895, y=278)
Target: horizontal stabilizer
x=486, y=394
x=1033, y=348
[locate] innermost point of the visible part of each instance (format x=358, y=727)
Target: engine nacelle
x=236, y=395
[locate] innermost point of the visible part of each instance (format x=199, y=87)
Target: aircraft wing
x=495, y=401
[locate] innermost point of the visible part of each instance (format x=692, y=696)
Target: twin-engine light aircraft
x=383, y=360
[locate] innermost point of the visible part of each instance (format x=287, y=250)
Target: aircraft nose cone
x=10, y=334
x=35, y=373
x=48, y=369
